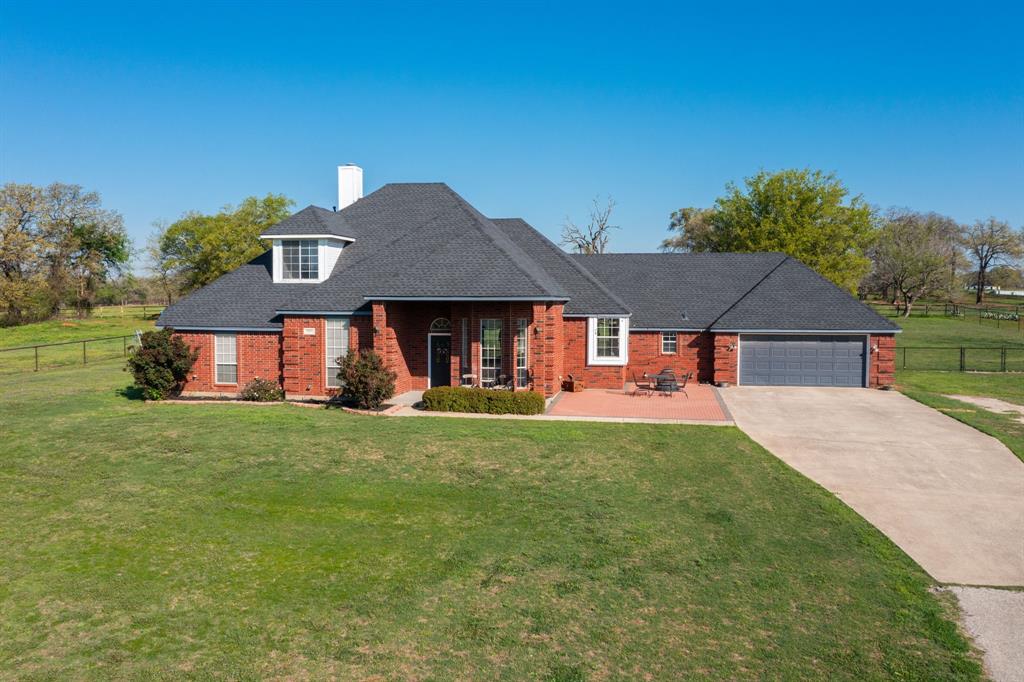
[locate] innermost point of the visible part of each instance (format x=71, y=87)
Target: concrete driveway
x=950, y=496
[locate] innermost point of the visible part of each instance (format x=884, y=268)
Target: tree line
x=899, y=255
x=59, y=248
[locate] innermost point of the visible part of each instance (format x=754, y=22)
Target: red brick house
x=449, y=297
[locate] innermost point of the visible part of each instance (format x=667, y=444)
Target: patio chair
x=682, y=386
x=646, y=386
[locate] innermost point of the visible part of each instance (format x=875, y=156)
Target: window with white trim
x=522, y=341
x=669, y=343
x=336, y=347
x=490, y=351
x=300, y=259
x=607, y=340
x=226, y=359
x=464, y=356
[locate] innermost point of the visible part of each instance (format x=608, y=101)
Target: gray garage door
x=788, y=360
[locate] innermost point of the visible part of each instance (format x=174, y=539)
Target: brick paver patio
x=702, y=404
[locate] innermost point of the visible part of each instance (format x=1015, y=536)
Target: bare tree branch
x=592, y=238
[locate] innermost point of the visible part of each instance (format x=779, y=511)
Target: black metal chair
x=646, y=386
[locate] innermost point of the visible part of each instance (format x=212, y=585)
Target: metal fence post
x=124, y=342
x=84, y=361
x=963, y=359
x=37, y=358
x=904, y=357
x=1002, y=359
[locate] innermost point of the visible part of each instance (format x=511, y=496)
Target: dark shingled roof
x=729, y=292
x=586, y=294
x=424, y=240
x=244, y=298
x=312, y=220
x=411, y=240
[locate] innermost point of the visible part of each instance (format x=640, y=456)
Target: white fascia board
x=328, y=313
x=307, y=236
x=806, y=331
x=467, y=298
x=178, y=327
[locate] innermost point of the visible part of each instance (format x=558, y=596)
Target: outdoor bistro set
x=664, y=383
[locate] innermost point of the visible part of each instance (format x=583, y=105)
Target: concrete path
x=992, y=405
x=950, y=496
x=995, y=619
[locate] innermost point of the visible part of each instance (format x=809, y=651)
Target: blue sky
x=525, y=109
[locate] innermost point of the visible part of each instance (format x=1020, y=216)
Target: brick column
x=303, y=357
x=379, y=329
x=882, y=363
x=725, y=359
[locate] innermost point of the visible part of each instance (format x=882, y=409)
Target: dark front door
x=440, y=360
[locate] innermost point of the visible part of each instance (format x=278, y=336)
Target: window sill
x=607, y=362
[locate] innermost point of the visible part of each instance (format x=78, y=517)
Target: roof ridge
x=572, y=261
x=829, y=282
x=759, y=282
x=509, y=248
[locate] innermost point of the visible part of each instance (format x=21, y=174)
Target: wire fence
x=961, y=358
x=65, y=353
x=136, y=310
x=1009, y=317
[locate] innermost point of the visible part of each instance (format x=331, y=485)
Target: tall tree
x=911, y=255
x=200, y=248
x=693, y=230
x=58, y=245
x=21, y=249
x=86, y=244
x=593, y=237
x=809, y=215
x=990, y=243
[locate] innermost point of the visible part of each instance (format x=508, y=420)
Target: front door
x=440, y=360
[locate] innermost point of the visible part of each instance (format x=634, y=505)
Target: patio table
x=665, y=382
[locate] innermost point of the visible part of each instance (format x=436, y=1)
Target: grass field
x=57, y=331
x=930, y=387
x=153, y=540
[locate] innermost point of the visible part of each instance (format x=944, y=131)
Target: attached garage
x=802, y=360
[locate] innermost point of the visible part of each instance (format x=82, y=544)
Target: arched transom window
x=441, y=325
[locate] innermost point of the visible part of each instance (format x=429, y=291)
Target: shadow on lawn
x=130, y=392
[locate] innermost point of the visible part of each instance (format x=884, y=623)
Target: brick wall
x=725, y=367
x=882, y=364
x=304, y=357
x=593, y=376
x=695, y=352
x=258, y=355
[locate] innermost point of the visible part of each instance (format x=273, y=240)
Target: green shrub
x=161, y=364
x=262, y=391
x=365, y=380
x=482, y=400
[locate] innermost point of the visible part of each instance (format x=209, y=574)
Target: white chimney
x=350, y=185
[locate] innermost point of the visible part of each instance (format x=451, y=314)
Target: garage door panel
x=801, y=360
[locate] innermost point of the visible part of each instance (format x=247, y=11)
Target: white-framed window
x=522, y=344
x=669, y=343
x=300, y=259
x=490, y=351
x=226, y=359
x=335, y=347
x=464, y=356
x=607, y=340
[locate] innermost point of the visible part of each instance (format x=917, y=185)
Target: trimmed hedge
x=482, y=400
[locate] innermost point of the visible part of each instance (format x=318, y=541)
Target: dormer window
x=300, y=259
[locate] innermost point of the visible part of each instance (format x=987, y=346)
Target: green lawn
x=56, y=331
x=951, y=331
x=929, y=387
x=154, y=540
